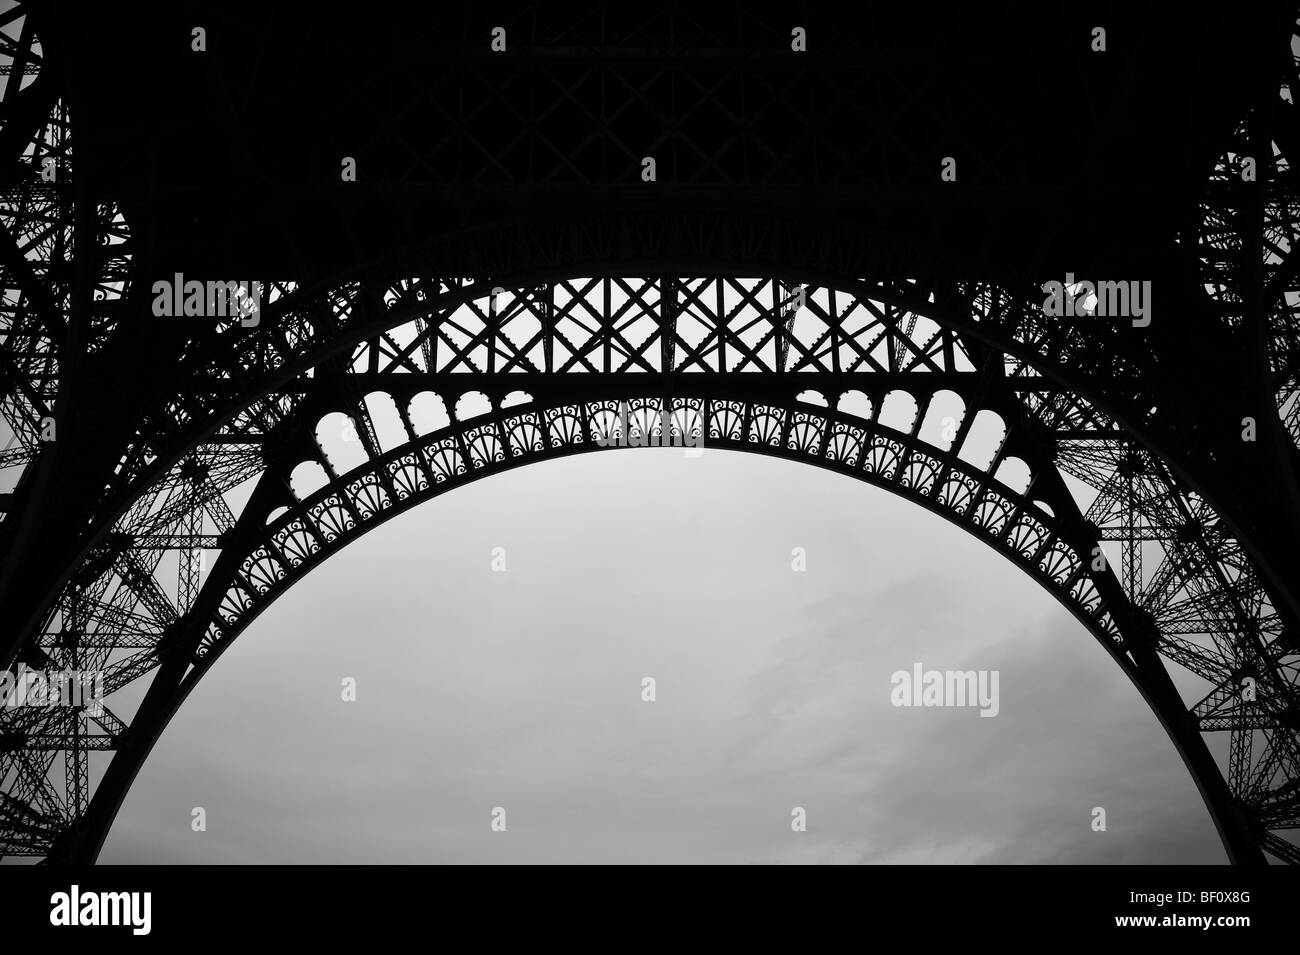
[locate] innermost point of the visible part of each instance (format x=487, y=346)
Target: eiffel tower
x=483, y=235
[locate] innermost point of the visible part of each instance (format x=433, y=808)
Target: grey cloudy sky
x=523, y=690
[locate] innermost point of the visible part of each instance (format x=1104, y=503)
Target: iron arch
x=276, y=540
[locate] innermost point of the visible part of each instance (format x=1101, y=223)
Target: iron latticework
x=150, y=519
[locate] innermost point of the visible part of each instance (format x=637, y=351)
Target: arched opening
x=482, y=439
x=521, y=688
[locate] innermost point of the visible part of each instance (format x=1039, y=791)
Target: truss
x=554, y=365
x=184, y=514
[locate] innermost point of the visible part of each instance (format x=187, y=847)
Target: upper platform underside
x=229, y=160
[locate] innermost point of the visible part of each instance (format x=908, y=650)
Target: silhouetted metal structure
x=504, y=283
